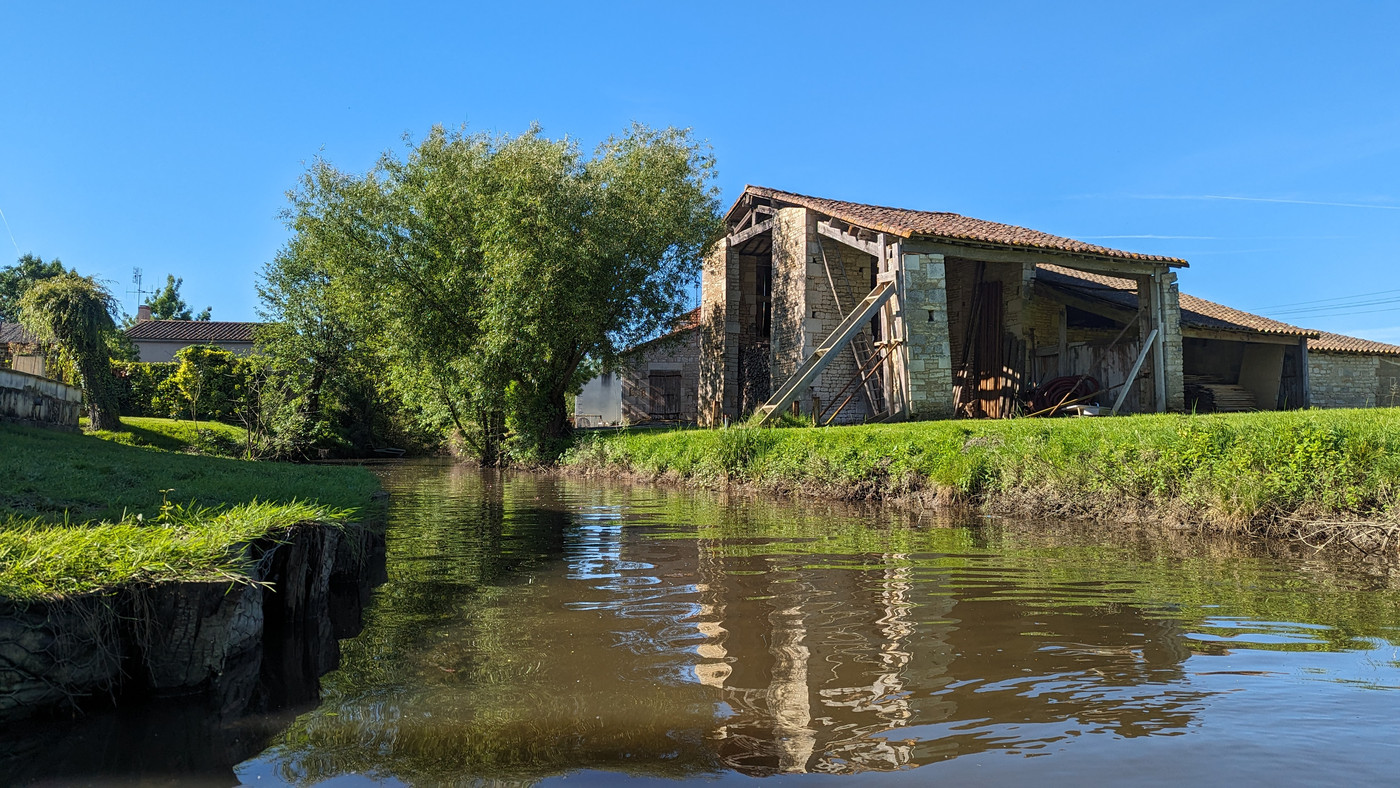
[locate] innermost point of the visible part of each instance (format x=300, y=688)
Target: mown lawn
x=179, y=435
x=79, y=513
x=1225, y=469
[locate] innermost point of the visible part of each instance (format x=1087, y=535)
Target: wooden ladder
x=815, y=363
x=861, y=350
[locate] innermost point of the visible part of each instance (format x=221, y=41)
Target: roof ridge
x=866, y=204
x=947, y=226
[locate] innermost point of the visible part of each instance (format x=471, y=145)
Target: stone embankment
x=39, y=402
x=218, y=640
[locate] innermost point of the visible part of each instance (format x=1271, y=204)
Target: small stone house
x=21, y=351
x=656, y=381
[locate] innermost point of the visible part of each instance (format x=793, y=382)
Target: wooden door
x=665, y=395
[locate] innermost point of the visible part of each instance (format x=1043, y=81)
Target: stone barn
x=1347, y=372
x=853, y=312
x=1231, y=360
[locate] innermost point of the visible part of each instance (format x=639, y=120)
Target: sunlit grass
x=79, y=513
x=39, y=559
x=1227, y=469
x=179, y=435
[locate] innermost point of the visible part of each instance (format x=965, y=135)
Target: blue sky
x=1260, y=141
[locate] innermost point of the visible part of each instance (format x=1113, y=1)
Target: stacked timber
x=1205, y=397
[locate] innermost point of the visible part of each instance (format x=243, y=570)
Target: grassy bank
x=179, y=435
x=78, y=513
x=1299, y=473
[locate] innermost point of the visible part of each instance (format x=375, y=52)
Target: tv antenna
x=137, y=289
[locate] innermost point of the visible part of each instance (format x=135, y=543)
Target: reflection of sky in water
x=651, y=633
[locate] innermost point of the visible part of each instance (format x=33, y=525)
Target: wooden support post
x=1304, y=382
x=816, y=406
x=1062, y=366
x=796, y=408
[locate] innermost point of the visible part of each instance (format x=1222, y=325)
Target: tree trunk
x=557, y=422
x=100, y=389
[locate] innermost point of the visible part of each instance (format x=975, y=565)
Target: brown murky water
x=539, y=629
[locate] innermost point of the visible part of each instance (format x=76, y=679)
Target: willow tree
x=75, y=312
x=492, y=267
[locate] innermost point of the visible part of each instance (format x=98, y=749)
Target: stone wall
x=29, y=399
x=714, y=389
x=1172, y=349
x=789, y=339
x=1353, y=380
x=925, y=311
x=677, y=353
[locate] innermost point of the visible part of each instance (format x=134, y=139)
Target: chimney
x=143, y=313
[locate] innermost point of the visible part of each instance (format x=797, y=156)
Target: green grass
x=1249, y=470
x=38, y=559
x=208, y=437
x=80, y=513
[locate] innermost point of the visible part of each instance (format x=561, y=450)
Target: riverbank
x=1318, y=475
x=125, y=568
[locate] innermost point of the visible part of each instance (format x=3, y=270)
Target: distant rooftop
x=192, y=331
x=16, y=334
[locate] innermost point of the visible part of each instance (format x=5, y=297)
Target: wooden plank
x=822, y=356
x=1125, y=269
x=1076, y=299
x=869, y=247
x=1239, y=336
x=1132, y=376
x=1306, y=383
x=744, y=235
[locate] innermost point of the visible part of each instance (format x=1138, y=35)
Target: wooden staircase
x=850, y=326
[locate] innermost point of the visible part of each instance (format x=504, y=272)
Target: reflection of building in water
x=887, y=665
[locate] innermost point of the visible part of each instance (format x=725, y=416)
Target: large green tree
x=486, y=269
x=75, y=312
x=167, y=303
x=17, y=278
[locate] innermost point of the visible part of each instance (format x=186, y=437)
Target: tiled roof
x=15, y=333
x=1328, y=342
x=1195, y=312
x=192, y=331
x=933, y=224
x=686, y=322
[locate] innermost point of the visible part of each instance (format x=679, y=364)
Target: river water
x=538, y=629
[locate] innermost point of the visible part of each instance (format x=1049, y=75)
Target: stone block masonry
x=1350, y=380
x=929, y=351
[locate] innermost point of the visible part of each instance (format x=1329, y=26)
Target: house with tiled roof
x=852, y=312
x=160, y=340
x=657, y=381
x=21, y=350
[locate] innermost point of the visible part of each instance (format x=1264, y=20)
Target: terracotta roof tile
x=908, y=223
x=193, y=331
x=1195, y=312
x=1328, y=342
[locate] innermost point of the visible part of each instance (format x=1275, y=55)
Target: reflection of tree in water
x=534, y=626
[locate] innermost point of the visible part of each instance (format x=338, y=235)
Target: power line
x=10, y=232
x=1326, y=300
x=1333, y=308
